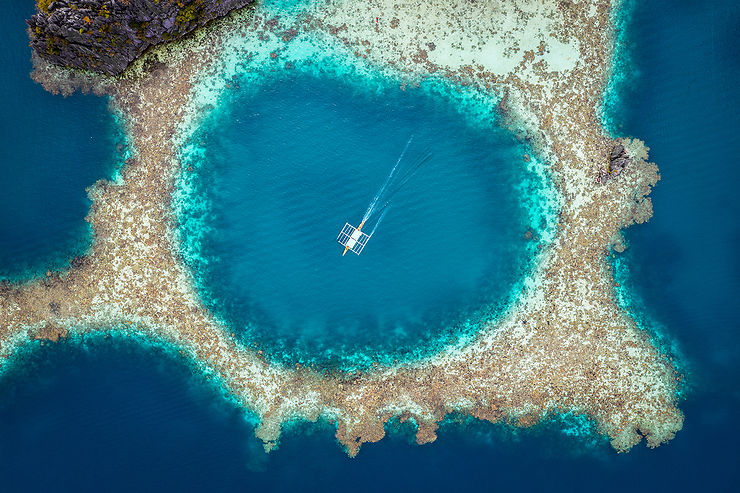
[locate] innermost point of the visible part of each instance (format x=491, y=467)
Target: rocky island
x=106, y=35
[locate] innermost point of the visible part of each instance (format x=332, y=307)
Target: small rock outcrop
x=618, y=160
x=106, y=35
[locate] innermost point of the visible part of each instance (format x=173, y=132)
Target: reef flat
x=564, y=346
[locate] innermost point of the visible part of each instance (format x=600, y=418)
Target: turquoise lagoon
x=278, y=168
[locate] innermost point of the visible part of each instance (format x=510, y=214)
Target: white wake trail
x=382, y=215
x=374, y=202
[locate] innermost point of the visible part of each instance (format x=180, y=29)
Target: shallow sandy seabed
x=563, y=346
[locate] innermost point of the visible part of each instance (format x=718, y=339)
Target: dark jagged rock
x=618, y=165
x=618, y=160
x=106, y=35
x=617, y=152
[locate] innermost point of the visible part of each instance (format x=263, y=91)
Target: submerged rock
x=49, y=332
x=106, y=35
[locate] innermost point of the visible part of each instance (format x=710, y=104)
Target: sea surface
x=52, y=149
x=115, y=415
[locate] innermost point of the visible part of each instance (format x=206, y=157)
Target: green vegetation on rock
x=189, y=12
x=43, y=5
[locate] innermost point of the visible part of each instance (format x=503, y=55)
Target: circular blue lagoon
x=281, y=168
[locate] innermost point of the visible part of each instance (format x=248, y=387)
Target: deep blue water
x=286, y=165
x=117, y=417
x=52, y=148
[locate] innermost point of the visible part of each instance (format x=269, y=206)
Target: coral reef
x=564, y=346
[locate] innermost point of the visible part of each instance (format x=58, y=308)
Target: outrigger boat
x=353, y=238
